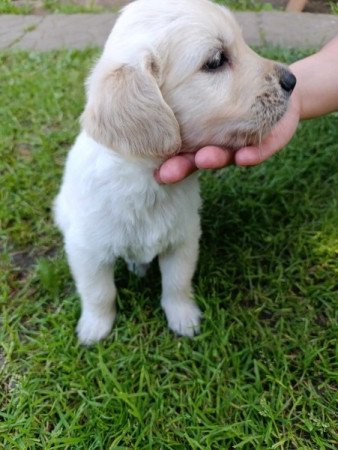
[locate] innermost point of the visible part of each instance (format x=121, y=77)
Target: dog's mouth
x=263, y=118
x=232, y=135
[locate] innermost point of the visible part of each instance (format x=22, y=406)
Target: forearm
x=317, y=86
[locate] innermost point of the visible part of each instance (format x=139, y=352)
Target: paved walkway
x=56, y=31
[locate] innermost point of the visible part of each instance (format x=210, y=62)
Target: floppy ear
x=126, y=112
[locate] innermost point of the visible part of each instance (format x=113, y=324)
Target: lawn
x=263, y=372
x=97, y=6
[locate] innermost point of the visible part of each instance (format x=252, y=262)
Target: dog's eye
x=216, y=62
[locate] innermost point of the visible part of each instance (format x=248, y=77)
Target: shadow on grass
x=261, y=223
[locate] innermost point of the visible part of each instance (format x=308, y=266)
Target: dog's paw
x=92, y=328
x=183, y=317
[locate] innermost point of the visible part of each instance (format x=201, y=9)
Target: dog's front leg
x=95, y=284
x=177, y=268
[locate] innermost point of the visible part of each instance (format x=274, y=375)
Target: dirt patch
x=22, y=261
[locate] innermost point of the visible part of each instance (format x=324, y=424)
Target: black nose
x=287, y=81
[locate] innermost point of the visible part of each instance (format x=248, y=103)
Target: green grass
x=334, y=7
x=51, y=6
x=256, y=5
x=246, y=5
x=70, y=6
x=10, y=7
x=261, y=375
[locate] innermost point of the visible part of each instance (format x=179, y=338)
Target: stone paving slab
x=78, y=31
x=74, y=31
x=13, y=28
x=249, y=23
x=297, y=30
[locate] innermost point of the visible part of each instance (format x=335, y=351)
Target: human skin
x=315, y=94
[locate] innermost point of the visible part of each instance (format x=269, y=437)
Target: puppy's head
x=177, y=74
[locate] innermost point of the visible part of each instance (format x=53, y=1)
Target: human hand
x=278, y=137
x=180, y=166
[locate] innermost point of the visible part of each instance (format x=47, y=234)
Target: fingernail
x=157, y=176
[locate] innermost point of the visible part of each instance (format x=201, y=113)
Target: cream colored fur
x=149, y=96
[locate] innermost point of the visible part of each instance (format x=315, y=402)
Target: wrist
x=297, y=104
x=316, y=90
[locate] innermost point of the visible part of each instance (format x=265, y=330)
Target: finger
x=176, y=168
x=280, y=136
x=213, y=157
x=251, y=156
x=276, y=140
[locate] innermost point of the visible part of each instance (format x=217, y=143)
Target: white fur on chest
x=117, y=207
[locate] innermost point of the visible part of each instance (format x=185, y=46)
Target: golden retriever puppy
x=174, y=75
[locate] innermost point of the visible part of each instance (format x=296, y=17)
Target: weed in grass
x=263, y=372
x=246, y=5
x=11, y=7
x=334, y=7
x=71, y=7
